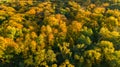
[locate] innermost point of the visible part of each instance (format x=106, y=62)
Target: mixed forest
x=60, y=33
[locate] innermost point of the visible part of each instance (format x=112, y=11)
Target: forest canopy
x=60, y=33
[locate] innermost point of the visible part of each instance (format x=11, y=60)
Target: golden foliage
x=99, y=10
x=76, y=26
x=31, y=11
x=33, y=35
x=59, y=34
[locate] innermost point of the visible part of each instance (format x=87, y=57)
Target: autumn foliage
x=59, y=34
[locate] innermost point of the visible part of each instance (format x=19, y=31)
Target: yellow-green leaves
x=106, y=47
x=99, y=10
x=50, y=56
x=75, y=6
x=86, y=31
x=105, y=33
x=64, y=48
x=93, y=56
x=51, y=20
x=84, y=40
x=111, y=22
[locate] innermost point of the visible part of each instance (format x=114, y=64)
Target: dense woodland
x=60, y=33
